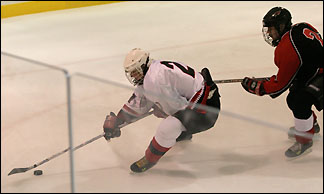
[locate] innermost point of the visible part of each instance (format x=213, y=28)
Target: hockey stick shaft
x=20, y=170
x=237, y=80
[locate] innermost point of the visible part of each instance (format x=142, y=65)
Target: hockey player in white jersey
x=173, y=90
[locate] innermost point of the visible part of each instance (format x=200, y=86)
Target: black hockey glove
x=253, y=86
x=110, y=127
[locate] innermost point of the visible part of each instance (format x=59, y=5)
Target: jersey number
x=188, y=71
x=310, y=34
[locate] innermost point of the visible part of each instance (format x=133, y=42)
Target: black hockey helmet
x=276, y=17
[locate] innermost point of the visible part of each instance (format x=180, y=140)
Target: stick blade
x=18, y=170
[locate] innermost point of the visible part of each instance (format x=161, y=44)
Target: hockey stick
x=236, y=80
x=20, y=170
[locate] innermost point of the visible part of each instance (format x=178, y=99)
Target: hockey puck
x=38, y=172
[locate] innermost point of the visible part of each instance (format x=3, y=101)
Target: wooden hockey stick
x=20, y=170
x=236, y=80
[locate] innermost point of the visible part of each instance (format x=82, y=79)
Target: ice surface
x=234, y=156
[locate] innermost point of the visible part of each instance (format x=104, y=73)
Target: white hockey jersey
x=168, y=85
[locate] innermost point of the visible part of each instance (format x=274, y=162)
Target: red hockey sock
x=154, y=152
x=303, y=139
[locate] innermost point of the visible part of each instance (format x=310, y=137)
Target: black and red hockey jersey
x=299, y=57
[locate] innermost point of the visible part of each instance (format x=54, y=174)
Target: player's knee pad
x=168, y=131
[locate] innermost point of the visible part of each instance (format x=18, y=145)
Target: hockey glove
x=253, y=86
x=110, y=127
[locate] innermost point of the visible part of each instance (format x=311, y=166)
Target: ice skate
x=298, y=149
x=141, y=165
x=184, y=136
x=292, y=131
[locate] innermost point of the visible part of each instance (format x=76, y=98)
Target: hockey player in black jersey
x=299, y=58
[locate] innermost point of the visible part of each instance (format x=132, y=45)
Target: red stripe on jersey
x=204, y=99
x=195, y=98
x=311, y=27
x=206, y=95
x=201, y=97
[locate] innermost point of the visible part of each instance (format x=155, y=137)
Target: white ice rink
x=236, y=155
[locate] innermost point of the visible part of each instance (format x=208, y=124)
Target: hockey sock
x=154, y=151
x=302, y=139
x=306, y=126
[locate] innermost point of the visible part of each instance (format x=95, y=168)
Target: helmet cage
x=135, y=74
x=267, y=37
x=276, y=17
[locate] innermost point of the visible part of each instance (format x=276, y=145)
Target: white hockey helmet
x=136, y=64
